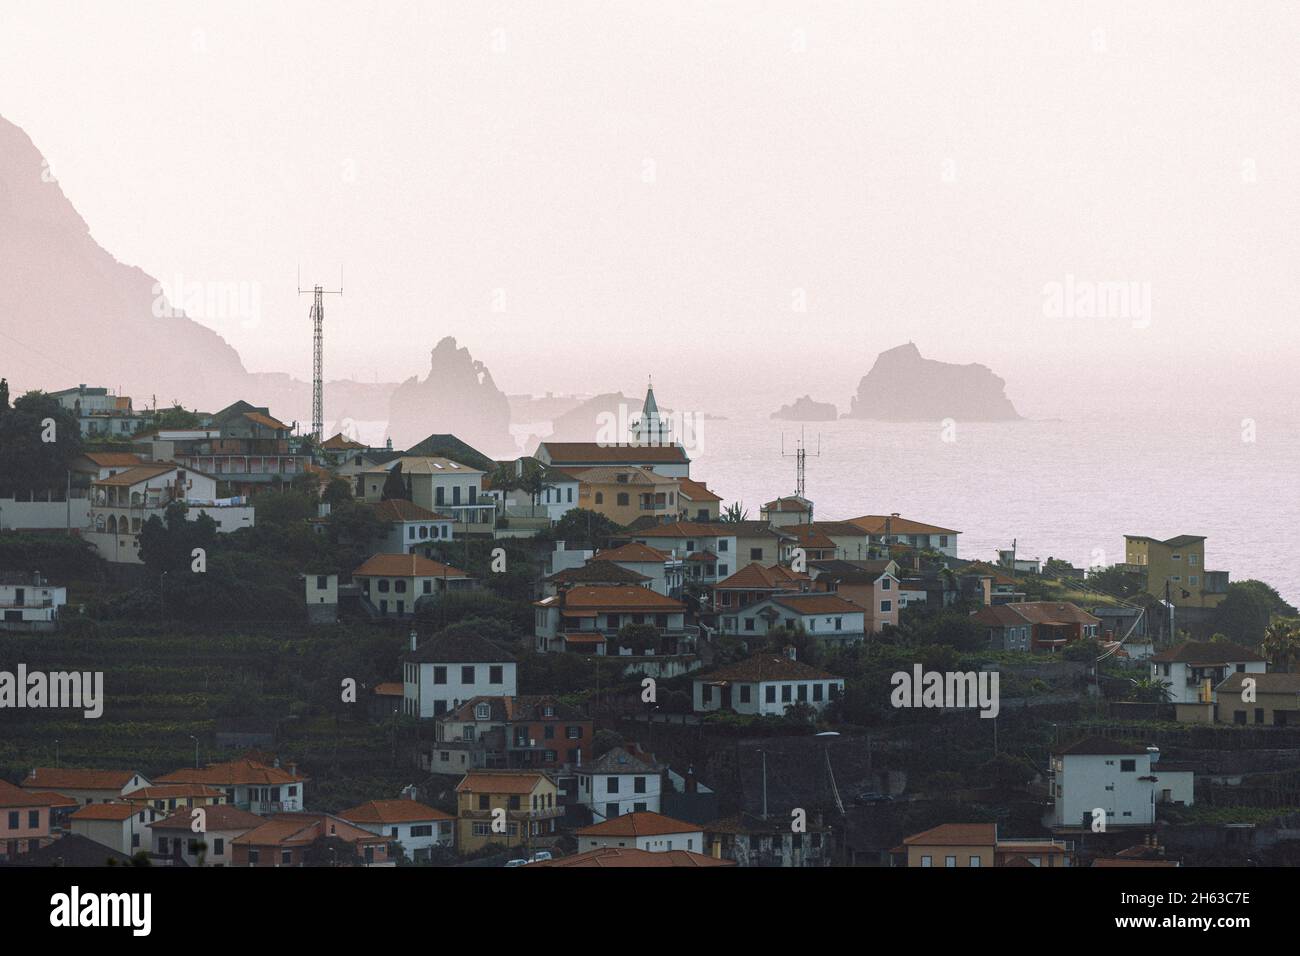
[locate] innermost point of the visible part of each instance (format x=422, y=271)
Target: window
x=803, y=693
x=573, y=733
x=467, y=674
x=428, y=586
x=722, y=544
x=13, y=819
x=483, y=803
x=218, y=846
x=482, y=711
x=622, y=498
x=611, y=784
x=254, y=856
x=320, y=582
x=33, y=818
x=927, y=861
x=286, y=857
x=1128, y=766
x=514, y=802
x=769, y=694
x=638, y=784
x=886, y=607
x=974, y=861
x=749, y=623
x=817, y=692
x=950, y=861
x=885, y=584
x=756, y=554
x=496, y=674
x=439, y=675
x=600, y=498
x=744, y=693
x=787, y=693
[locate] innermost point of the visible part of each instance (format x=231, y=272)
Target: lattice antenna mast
x=318, y=353
x=800, y=456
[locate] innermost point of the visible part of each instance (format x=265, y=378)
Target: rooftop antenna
x=318, y=348
x=800, y=456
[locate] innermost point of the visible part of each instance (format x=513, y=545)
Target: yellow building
x=1179, y=563
x=963, y=845
x=506, y=808
x=627, y=492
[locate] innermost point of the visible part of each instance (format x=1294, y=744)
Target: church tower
x=650, y=428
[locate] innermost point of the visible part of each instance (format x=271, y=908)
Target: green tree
x=39, y=439
x=175, y=417
x=1281, y=644
x=1247, y=610
x=167, y=544
x=581, y=528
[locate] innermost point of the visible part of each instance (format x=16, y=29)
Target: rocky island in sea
x=806, y=410
x=903, y=386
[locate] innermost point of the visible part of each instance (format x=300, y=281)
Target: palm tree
x=1150, y=690
x=1281, y=643
x=734, y=513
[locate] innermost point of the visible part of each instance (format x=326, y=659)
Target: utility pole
x=800, y=456
x=764, y=755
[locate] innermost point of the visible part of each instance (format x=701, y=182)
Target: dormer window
x=548, y=711
x=482, y=712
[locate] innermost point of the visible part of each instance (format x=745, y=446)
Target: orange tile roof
x=136, y=475
x=390, y=688
x=499, y=781
x=766, y=666
x=393, y=811
x=406, y=566
x=595, y=596
x=265, y=420
x=114, y=459
x=620, y=856
x=956, y=834
x=222, y=816
x=339, y=443
x=399, y=509
x=580, y=452
x=168, y=790
x=639, y=824
x=11, y=796
x=633, y=553
x=70, y=778
x=755, y=577
x=106, y=811
x=809, y=537
x=695, y=490
x=233, y=773
x=818, y=604
x=686, y=529
x=875, y=524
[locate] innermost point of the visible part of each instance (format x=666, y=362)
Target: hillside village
x=319, y=653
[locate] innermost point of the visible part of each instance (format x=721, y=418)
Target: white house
x=436, y=484
x=118, y=826
x=618, y=783
x=85, y=786
x=444, y=672
x=29, y=602
x=642, y=830
x=1123, y=780
x=895, y=529
x=122, y=503
x=708, y=550
x=651, y=562
x=418, y=828
x=175, y=838
x=765, y=684
x=827, y=617
x=1187, y=668
x=393, y=583
x=250, y=785
x=410, y=526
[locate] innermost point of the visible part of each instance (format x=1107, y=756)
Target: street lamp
x=196, y=751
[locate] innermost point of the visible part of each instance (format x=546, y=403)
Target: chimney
x=413, y=639
x=690, y=781
x=559, y=546
x=293, y=768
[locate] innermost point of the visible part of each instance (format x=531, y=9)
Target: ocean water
x=1064, y=489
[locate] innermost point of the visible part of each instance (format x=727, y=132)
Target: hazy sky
x=655, y=187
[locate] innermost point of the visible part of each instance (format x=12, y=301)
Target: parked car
x=869, y=797
x=516, y=862
x=540, y=856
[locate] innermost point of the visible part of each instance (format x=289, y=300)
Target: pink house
x=24, y=820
